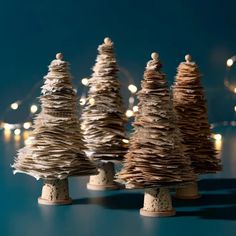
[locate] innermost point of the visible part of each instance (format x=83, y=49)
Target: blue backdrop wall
x=33, y=31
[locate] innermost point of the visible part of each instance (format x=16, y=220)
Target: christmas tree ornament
x=54, y=150
x=155, y=159
x=103, y=118
x=192, y=119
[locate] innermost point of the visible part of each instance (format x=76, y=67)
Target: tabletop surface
x=115, y=212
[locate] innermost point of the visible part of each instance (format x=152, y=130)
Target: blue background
x=33, y=31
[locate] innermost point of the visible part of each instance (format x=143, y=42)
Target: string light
x=217, y=137
x=132, y=88
x=135, y=108
x=227, y=83
x=82, y=101
x=131, y=100
x=33, y=108
x=14, y=105
x=27, y=125
x=17, y=131
x=82, y=127
x=234, y=108
x=85, y=81
x=229, y=62
x=129, y=113
x=92, y=101
x=125, y=140
x=7, y=126
x=27, y=141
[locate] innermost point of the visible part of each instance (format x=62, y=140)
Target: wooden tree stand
x=189, y=191
x=157, y=203
x=105, y=179
x=55, y=192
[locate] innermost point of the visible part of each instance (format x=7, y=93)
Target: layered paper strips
x=192, y=119
x=155, y=157
x=103, y=119
x=55, y=147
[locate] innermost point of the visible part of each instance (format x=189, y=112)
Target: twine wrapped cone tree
x=103, y=119
x=155, y=158
x=192, y=119
x=54, y=150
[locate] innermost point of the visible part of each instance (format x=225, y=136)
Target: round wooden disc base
x=156, y=214
x=56, y=202
x=186, y=197
x=103, y=187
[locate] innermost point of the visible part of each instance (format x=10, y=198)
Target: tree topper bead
x=188, y=58
x=155, y=56
x=107, y=40
x=59, y=56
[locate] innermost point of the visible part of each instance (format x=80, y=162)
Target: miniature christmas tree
x=54, y=150
x=155, y=158
x=103, y=119
x=190, y=106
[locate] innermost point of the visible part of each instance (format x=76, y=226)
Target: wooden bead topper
x=188, y=58
x=59, y=56
x=107, y=41
x=155, y=56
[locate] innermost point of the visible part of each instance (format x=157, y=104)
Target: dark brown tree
x=192, y=119
x=54, y=150
x=103, y=119
x=155, y=158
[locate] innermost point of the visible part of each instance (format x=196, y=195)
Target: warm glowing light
x=7, y=135
x=33, y=109
x=7, y=126
x=82, y=101
x=28, y=141
x=132, y=88
x=217, y=137
x=229, y=62
x=234, y=90
x=85, y=81
x=233, y=123
x=135, y=108
x=82, y=126
x=27, y=125
x=131, y=100
x=17, y=139
x=218, y=146
x=125, y=140
x=14, y=106
x=235, y=108
x=26, y=135
x=17, y=131
x=129, y=113
x=92, y=101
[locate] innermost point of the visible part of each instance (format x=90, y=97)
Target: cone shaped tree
x=192, y=119
x=103, y=119
x=54, y=150
x=155, y=158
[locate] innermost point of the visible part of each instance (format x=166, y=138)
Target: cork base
x=55, y=202
x=105, y=179
x=157, y=213
x=188, y=192
x=157, y=203
x=55, y=192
